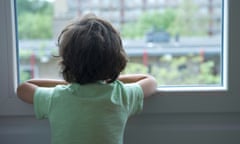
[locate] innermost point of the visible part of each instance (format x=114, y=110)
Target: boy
x=93, y=102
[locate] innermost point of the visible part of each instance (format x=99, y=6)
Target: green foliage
x=135, y=68
x=34, y=26
x=179, y=71
x=34, y=19
x=148, y=21
x=183, y=20
x=24, y=76
x=187, y=21
x=34, y=6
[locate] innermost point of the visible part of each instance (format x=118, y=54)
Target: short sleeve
x=134, y=98
x=42, y=101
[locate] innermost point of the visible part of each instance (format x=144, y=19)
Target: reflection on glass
x=177, y=41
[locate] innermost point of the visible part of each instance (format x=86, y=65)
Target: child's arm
x=26, y=90
x=147, y=82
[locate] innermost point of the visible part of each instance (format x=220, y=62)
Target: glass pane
x=177, y=41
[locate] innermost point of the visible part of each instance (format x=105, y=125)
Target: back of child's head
x=91, y=50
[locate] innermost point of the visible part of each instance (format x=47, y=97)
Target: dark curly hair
x=91, y=50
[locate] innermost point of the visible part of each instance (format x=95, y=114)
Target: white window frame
x=224, y=98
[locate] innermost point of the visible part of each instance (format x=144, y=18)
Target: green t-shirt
x=88, y=114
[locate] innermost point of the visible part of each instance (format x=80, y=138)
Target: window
x=177, y=41
x=168, y=100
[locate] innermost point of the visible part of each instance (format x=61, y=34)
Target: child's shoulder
x=128, y=86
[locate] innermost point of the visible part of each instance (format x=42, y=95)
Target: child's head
x=91, y=50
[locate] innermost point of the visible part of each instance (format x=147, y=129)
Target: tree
x=187, y=21
x=182, y=21
x=34, y=6
x=148, y=21
x=34, y=19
